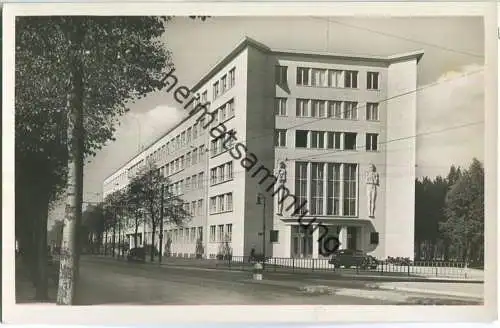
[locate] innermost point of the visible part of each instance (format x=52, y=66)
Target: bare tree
x=147, y=190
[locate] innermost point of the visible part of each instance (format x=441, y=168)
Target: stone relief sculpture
x=372, y=183
x=281, y=179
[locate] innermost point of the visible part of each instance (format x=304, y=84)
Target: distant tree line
x=449, y=216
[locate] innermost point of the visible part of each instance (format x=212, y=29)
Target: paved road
x=106, y=281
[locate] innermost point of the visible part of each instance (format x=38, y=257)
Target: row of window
x=192, y=183
x=317, y=108
x=186, y=235
x=221, y=173
x=221, y=235
x=191, y=158
x=195, y=208
x=332, y=78
x=226, y=82
x=221, y=144
x=221, y=203
x=224, y=112
x=333, y=188
x=326, y=140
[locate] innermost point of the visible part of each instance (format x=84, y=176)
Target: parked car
x=353, y=258
x=136, y=255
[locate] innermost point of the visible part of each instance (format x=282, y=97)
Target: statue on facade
x=281, y=179
x=372, y=183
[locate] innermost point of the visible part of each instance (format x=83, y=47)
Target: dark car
x=136, y=255
x=353, y=258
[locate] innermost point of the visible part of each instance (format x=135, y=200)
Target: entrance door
x=302, y=242
x=352, y=238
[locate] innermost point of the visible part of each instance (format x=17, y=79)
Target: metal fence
x=423, y=269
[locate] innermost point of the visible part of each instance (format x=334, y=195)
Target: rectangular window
x=319, y=78
x=372, y=81
x=317, y=139
x=212, y=233
x=303, y=76
x=221, y=203
x=334, y=78
x=229, y=170
x=371, y=141
x=230, y=108
x=204, y=97
x=317, y=108
x=301, y=138
x=280, y=106
x=222, y=114
x=351, y=79
x=281, y=75
x=372, y=111
x=220, y=232
x=317, y=193
x=213, y=205
x=200, y=206
x=200, y=233
x=334, y=140
x=350, y=141
x=189, y=135
x=350, y=110
x=333, y=189
x=229, y=202
x=334, y=109
x=302, y=109
x=280, y=138
x=229, y=232
x=223, y=84
x=232, y=77
x=200, y=180
x=193, y=234
x=188, y=184
x=300, y=187
x=213, y=176
x=216, y=89
x=350, y=194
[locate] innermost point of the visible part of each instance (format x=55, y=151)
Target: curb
x=430, y=292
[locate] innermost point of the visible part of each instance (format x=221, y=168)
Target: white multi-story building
x=327, y=117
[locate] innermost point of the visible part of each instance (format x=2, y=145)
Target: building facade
x=326, y=140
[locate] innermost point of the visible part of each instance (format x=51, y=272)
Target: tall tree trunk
x=153, y=242
x=113, y=242
x=42, y=291
x=136, y=230
x=105, y=242
x=69, y=255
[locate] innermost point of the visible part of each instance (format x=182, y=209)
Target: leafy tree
x=148, y=185
x=464, y=225
x=98, y=63
x=134, y=205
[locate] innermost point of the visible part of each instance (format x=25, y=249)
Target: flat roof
x=249, y=42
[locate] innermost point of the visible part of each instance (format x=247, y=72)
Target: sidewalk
x=223, y=266
x=462, y=290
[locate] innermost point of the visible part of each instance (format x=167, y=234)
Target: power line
x=399, y=37
x=208, y=178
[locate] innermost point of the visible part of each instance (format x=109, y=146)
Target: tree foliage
x=464, y=211
x=121, y=59
x=449, y=215
x=147, y=189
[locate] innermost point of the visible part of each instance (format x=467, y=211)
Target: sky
x=450, y=96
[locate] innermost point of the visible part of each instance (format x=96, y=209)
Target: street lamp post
x=261, y=200
x=161, y=223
